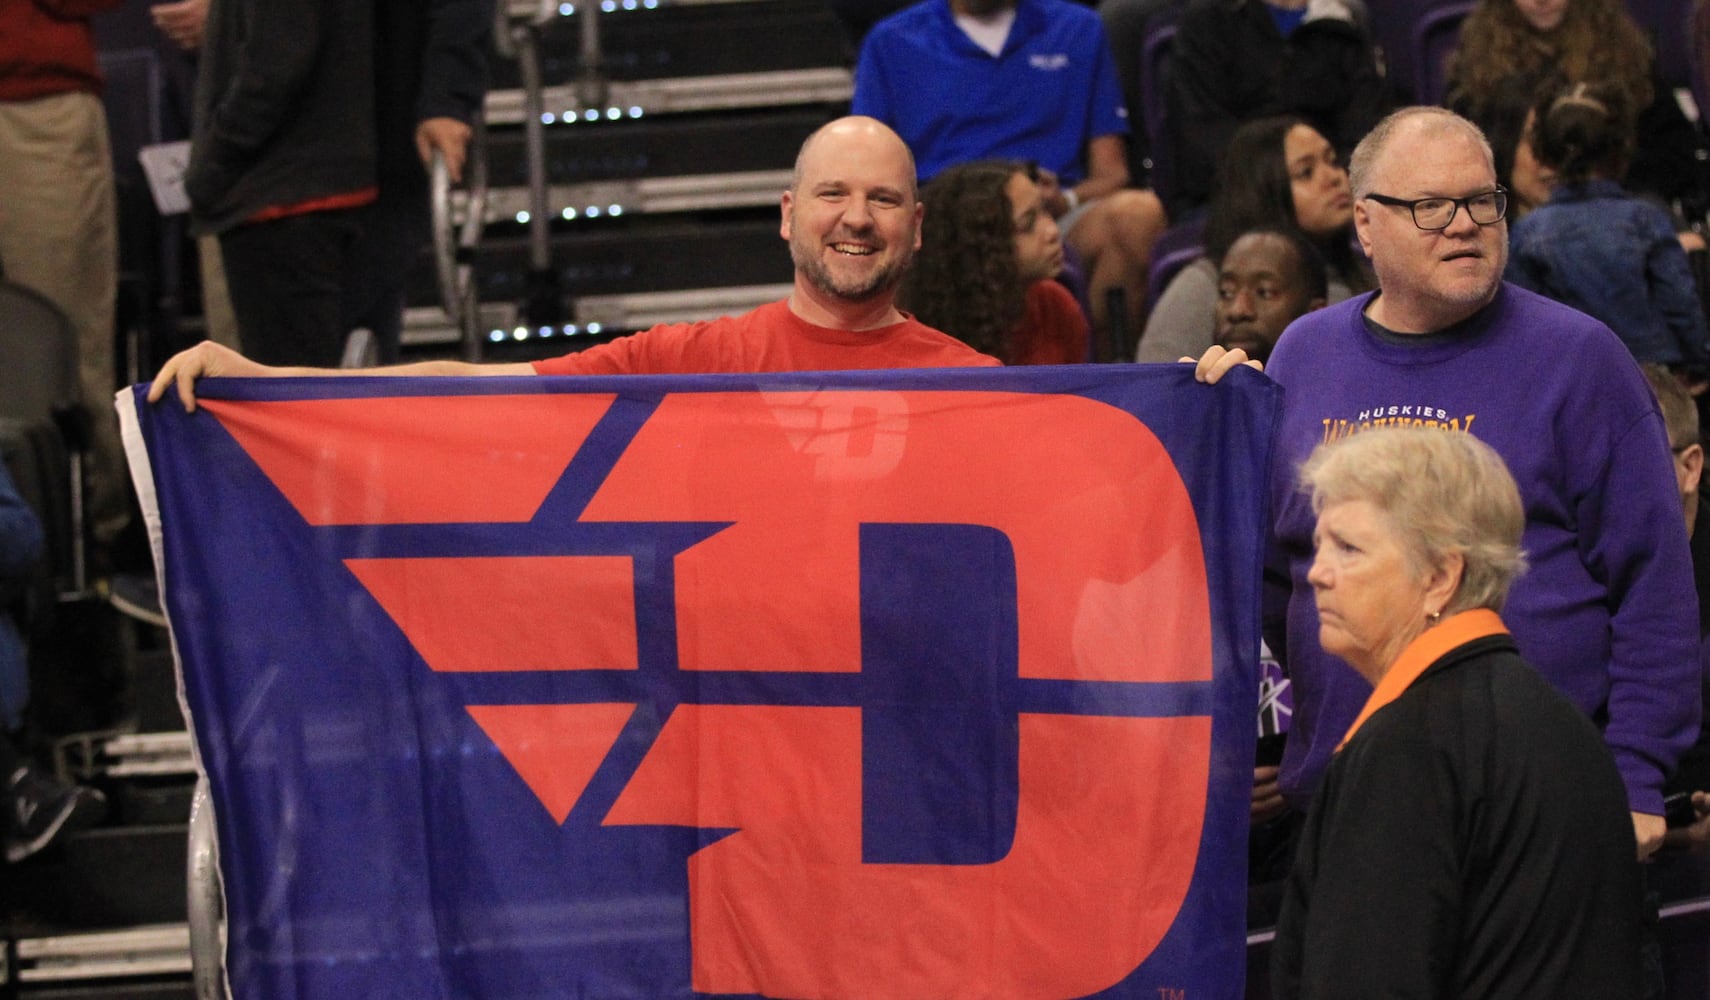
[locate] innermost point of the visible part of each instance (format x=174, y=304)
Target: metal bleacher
x=634, y=159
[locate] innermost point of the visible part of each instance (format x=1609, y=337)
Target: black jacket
x=430, y=63
x=284, y=107
x=1471, y=840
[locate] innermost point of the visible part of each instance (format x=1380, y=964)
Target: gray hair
x=1443, y=493
x=1372, y=146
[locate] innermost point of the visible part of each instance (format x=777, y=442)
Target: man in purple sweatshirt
x=1606, y=610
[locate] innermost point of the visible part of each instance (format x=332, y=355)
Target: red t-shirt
x=1053, y=329
x=769, y=339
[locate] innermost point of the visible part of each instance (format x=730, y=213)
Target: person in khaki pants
x=58, y=226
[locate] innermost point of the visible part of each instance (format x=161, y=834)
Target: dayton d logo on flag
x=901, y=684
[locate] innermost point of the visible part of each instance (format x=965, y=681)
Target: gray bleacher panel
x=673, y=146
x=634, y=254
x=693, y=40
x=688, y=133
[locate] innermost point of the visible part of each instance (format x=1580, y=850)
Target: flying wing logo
x=931, y=675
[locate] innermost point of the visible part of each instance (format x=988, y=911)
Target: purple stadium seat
x=1435, y=35
x=1154, y=111
x=1392, y=30
x=1666, y=23
x=1179, y=246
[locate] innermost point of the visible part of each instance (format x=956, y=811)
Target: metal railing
x=454, y=243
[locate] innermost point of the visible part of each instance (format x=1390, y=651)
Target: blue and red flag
x=875, y=684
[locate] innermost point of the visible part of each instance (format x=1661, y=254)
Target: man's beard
x=808, y=260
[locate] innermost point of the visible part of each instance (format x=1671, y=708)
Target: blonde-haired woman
x=1471, y=837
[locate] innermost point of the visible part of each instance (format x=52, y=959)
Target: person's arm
x=454, y=79
x=1267, y=801
x=1184, y=322
x=1107, y=167
x=1106, y=152
x=20, y=530
x=211, y=359
x=1675, y=293
x=1633, y=541
x=1696, y=835
x=182, y=21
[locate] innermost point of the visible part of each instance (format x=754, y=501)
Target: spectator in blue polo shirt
x=1031, y=80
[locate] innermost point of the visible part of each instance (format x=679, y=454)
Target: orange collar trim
x=1423, y=651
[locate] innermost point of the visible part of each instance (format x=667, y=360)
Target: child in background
x=1600, y=249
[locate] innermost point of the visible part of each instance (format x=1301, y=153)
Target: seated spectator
x=1267, y=280
x=34, y=808
x=1512, y=53
x=1033, y=80
x=984, y=272
x=1280, y=173
x=1687, y=791
x=1237, y=60
x=1598, y=248
x=1529, y=182
x=1471, y=837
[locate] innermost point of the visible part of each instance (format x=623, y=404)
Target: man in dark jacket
x=282, y=158
x=430, y=79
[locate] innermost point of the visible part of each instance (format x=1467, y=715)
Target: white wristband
x=1072, y=198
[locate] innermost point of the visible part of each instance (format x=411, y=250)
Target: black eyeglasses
x=1434, y=214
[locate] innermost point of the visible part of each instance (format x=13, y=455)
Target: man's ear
x=919, y=222
x=1362, y=221
x=1691, y=467
x=784, y=210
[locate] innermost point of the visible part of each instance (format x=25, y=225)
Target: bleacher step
x=98, y=880
x=633, y=254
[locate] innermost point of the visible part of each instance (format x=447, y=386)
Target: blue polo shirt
x=1051, y=91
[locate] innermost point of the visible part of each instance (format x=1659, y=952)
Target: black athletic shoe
x=38, y=809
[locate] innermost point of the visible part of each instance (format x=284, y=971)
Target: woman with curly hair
x=1277, y=173
x=989, y=249
x=1512, y=53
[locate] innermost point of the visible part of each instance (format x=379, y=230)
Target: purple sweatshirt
x=1606, y=610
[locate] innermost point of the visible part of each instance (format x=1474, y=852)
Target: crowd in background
x=1045, y=241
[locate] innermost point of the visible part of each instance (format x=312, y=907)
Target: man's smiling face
x=852, y=217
